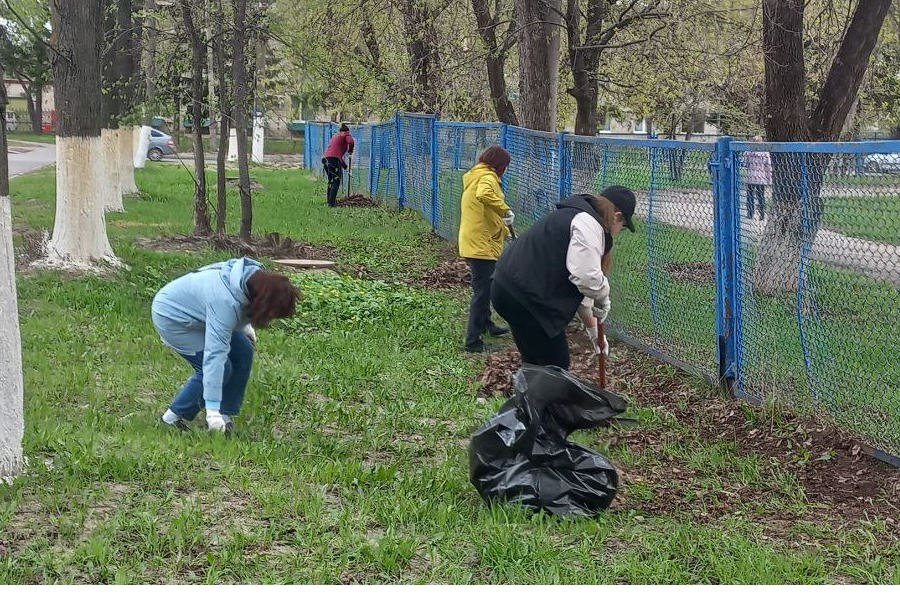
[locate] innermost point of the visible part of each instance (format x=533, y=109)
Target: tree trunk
x=148, y=61
x=113, y=102
x=29, y=104
x=12, y=425
x=584, y=61
x=126, y=64
x=112, y=184
x=239, y=71
x=225, y=121
x=79, y=232
x=418, y=25
x=797, y=205
x=495, y=61
x=202, y=225
x=539, y=45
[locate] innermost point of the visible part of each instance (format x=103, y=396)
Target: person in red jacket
x=333, y=161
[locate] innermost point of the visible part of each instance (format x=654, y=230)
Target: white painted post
x=258, y=139
x=232, y=146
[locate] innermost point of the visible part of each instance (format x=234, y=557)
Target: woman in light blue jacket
x=208, y=317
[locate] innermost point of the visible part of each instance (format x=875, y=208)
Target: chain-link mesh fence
x=817, y=276
x=775, y=265
x=664, y=281
x=458, y=147
x=416, y=163
x=533, y=178
x=384, y=180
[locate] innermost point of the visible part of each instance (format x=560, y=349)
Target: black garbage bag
x=522, y=455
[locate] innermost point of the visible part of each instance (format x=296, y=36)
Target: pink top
x=340, y=144
x=759, y=168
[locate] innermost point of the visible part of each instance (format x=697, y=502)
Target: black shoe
x=477, y=348
x=497, y=330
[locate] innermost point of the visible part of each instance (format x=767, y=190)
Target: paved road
x=694, y=210
x=36, y=156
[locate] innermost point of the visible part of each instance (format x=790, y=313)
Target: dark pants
x=333, y=173
x=536, y=347
x=756, y=195
x=480, y=308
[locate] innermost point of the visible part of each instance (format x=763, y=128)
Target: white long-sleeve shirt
x=584, y=259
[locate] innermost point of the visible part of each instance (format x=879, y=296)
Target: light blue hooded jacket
x=200, y=311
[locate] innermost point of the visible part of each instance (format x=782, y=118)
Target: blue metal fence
x=789, y=289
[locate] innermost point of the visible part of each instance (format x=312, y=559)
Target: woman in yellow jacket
x=484, y=227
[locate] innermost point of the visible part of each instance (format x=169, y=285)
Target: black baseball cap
x=623, y=199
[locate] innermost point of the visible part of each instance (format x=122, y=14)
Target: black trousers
x=480, y=308
x=536, y=347
x=756, y=194
x=333, y=173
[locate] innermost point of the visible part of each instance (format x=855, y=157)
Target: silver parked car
x=161, y=144
x=883, y=163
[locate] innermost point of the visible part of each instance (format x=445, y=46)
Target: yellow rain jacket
x=481, y=228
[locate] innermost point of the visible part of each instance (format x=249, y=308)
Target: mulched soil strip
x=840, y=483
x=694, y=273
x=357, y=201
x=453, y=273
x=271, y=245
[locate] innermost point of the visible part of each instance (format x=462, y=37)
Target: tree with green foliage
x=26, y=52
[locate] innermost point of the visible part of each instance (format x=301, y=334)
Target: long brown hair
x=606, y=210
x=272, y=296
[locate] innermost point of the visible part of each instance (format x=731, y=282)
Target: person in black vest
x=556, y=269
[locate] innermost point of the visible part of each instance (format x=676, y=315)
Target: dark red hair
x=496, y=158
x=272, y=296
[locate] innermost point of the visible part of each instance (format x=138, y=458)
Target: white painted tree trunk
x=79, y=232
x=12, y=425
x=141, y=146
x=232, y=146
x=112, y=185
x=126, y=162
x=258, y=152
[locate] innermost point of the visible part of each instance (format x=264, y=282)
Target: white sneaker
x=173, y=420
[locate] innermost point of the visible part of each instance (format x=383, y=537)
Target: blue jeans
x=189, y=400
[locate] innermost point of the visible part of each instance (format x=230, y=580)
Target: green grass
x=184, y=141
x=350, y=460
x=27, y=136
x=876, y=217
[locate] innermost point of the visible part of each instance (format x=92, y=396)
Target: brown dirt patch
x=270, y=245
x=452, y=273
x=357, y=201
x=807, y=470
x=692, y=273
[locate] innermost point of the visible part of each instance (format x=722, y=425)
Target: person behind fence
x=333, y=160
x=759, y=176
x=209, y=317
x=483, y=229
x=556, y=270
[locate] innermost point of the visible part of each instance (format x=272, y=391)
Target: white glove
x=601, y=311
x=509, y=218
x=596, y=347
x=216, y=421
x=251, y=334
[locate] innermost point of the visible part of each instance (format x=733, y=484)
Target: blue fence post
x=434, y=174
x=306, y=153
x=726, y=224
x=373, y=172
x=401, y=178
x=565, y=167
x=457, y=148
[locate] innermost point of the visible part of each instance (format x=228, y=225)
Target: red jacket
x=340, y=144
